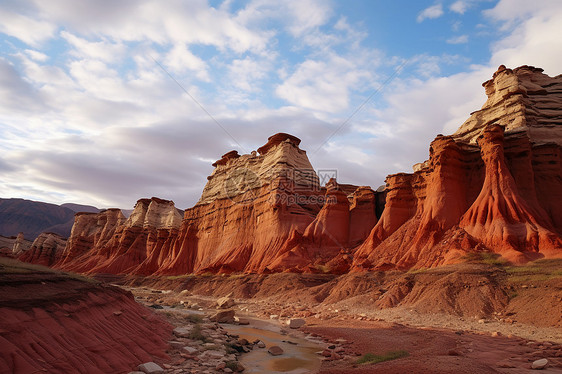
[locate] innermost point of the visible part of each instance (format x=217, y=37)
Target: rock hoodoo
x=493, y=186
x=46, y=249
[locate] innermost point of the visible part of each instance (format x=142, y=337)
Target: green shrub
x=370, y=358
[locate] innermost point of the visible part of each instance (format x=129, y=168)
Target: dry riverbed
x=333, y=340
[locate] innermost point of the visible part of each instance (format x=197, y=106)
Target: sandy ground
x=434, y=350
x=435, y=343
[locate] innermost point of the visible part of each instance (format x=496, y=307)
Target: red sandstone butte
x=495, y=185
x=46, y=249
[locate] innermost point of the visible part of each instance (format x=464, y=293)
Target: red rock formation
x=257, y=213
x=14, y=246
x=58, y=324
x=480, y=190
x=46, y=250
x=473, y=197
x=501, y=218
x=362, y=214
x=330, y=228
x=115, y=245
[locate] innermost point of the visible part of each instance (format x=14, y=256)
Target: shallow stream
x=299, y=354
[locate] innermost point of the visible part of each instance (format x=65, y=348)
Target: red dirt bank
x=56, y=323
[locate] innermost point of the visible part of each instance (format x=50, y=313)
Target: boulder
x=275, y=350
x=241, y=320
x=182, y=332
x=150, y=368
x=539, y=364
x=223, y=316
x=225, y=303
x=296, y=323
x=190, y=350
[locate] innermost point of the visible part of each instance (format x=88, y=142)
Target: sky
x=104, y=102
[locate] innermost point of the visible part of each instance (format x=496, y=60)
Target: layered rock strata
x=46, y=249
x=14, y=246
x=493, y=186
x=260, y=212
x=57, y=323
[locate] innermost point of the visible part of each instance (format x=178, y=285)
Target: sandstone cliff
x=46, y=249
x=14, y=246
x=260, y=212
x=493, y=186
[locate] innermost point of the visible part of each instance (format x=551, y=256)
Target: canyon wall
x=495, y=186
x=260, y=212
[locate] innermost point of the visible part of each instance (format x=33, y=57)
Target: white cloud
x=102, y=50
x=179, y=59
x=307, y=15
x=298, y=17
x=24, y=28
x=434, y=11
x=100, y=123
x=534, y=35
x=459, y=6
x=246, y=74
x=323, y=85
x=461, y=39
x=36, y=55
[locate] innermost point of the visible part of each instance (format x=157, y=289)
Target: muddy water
x=299, y=354
x=297, y=358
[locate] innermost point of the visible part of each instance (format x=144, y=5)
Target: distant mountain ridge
x=34, y=217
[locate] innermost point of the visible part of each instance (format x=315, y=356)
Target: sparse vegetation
x=13, y=266
x=324, y=269
x=194, y=318
x=196, y=334
x=488, y=258
x=176, y=277
x=540, y=270
x=371, y=358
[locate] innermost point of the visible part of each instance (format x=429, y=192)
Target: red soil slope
x=51, y=322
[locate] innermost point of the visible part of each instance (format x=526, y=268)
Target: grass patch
x=13, y=266
x=176, y=277
x=540, y=270
x=487, y=258
x=371, y=358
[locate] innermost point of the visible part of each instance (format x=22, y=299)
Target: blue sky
x=90, y=114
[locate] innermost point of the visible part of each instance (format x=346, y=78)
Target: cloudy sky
x=103, y=102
